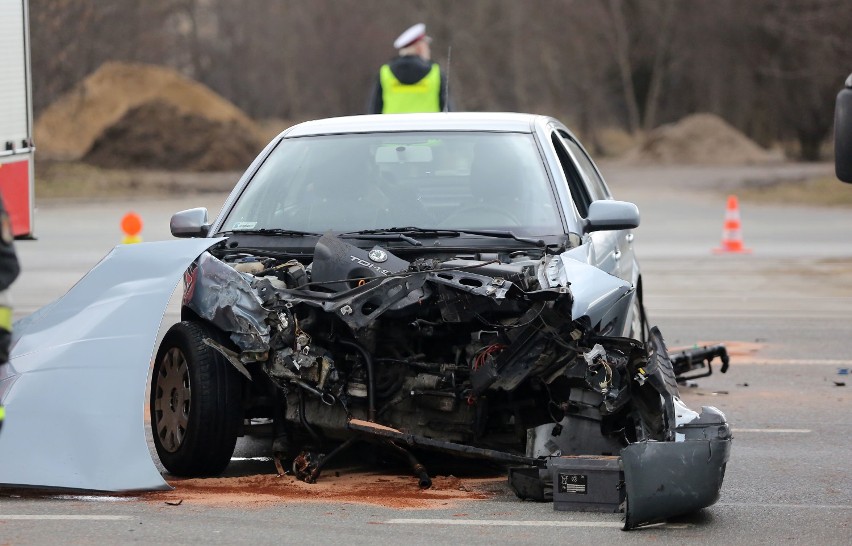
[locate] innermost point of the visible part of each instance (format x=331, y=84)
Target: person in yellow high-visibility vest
x=411, y=82
x=9, y=270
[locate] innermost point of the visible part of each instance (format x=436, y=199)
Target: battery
x=587, y=483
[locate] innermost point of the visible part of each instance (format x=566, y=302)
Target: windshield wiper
x=403, y=232
x=270, y=231
x=503, y=234
x=394, y=234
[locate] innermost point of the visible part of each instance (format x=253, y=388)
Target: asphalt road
x=785, y=310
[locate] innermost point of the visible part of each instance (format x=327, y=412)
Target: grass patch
x=68, y=179
x=71, y=179
x=823, y=191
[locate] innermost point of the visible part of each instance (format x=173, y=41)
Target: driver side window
x=576, y=185
x=595, y=183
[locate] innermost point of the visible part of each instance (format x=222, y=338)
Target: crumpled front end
x=517, y=359
x=430, y=345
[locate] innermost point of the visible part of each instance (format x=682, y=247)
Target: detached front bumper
x=650, y=481
x=668, y=479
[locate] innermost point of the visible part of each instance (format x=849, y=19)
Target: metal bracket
x=697, y=358
x=231, y=356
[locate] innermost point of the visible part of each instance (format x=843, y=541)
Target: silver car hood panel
x=74, y=390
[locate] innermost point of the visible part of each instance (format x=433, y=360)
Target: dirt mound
x=157, y=135
x=699, y=139
x=70, y=126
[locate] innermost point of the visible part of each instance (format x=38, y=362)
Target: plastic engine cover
x=336, y=260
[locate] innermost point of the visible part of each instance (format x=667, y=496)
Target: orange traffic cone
x=732, y=235
x=131, y=225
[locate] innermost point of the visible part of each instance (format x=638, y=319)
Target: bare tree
x=620, y=43
x=660, y=63
x=802, y=46
x=770, y=68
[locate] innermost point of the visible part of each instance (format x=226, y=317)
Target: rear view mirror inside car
x=404, y=154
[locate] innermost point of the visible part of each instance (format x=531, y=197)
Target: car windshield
x=375, y=181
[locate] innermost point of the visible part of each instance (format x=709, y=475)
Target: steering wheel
x=490, y=213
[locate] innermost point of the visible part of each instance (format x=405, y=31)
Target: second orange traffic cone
x=732, y=233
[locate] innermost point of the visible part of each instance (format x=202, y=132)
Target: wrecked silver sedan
x=454, y=282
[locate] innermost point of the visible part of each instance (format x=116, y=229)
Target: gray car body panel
x=225, y=297
x=601, y=297
x=668, y=479
x=74, y=389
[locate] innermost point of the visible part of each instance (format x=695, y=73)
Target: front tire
x=196, y=403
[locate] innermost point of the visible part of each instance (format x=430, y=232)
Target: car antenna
x=447, y=85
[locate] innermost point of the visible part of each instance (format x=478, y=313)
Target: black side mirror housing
x=190, y=223
x=609, y=215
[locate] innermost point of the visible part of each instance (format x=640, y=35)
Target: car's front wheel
x=196, y=403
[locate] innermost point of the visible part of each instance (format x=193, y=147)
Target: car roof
x=445, y=121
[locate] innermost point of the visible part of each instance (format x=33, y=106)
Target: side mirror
x=607, y=215
x=843, y=133
x=190, y=223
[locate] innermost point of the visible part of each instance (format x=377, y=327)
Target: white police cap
x=411, y=35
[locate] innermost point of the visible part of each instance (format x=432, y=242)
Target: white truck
x=16, y=117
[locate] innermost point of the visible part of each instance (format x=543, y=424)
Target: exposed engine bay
x=473, y=353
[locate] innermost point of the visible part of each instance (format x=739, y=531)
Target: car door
x=622, y=240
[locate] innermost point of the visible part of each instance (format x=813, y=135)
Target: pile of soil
x=699, y=139
x=157, y=135
x=123, y=93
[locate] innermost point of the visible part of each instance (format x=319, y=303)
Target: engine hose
x=390, y=385
x=371, y=387
x=328, y=458
x=423, y=479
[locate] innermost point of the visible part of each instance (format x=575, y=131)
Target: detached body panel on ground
x=75, y=387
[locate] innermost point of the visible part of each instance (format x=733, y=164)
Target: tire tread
x=215, y=408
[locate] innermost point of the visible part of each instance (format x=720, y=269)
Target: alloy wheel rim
x=172, y=400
